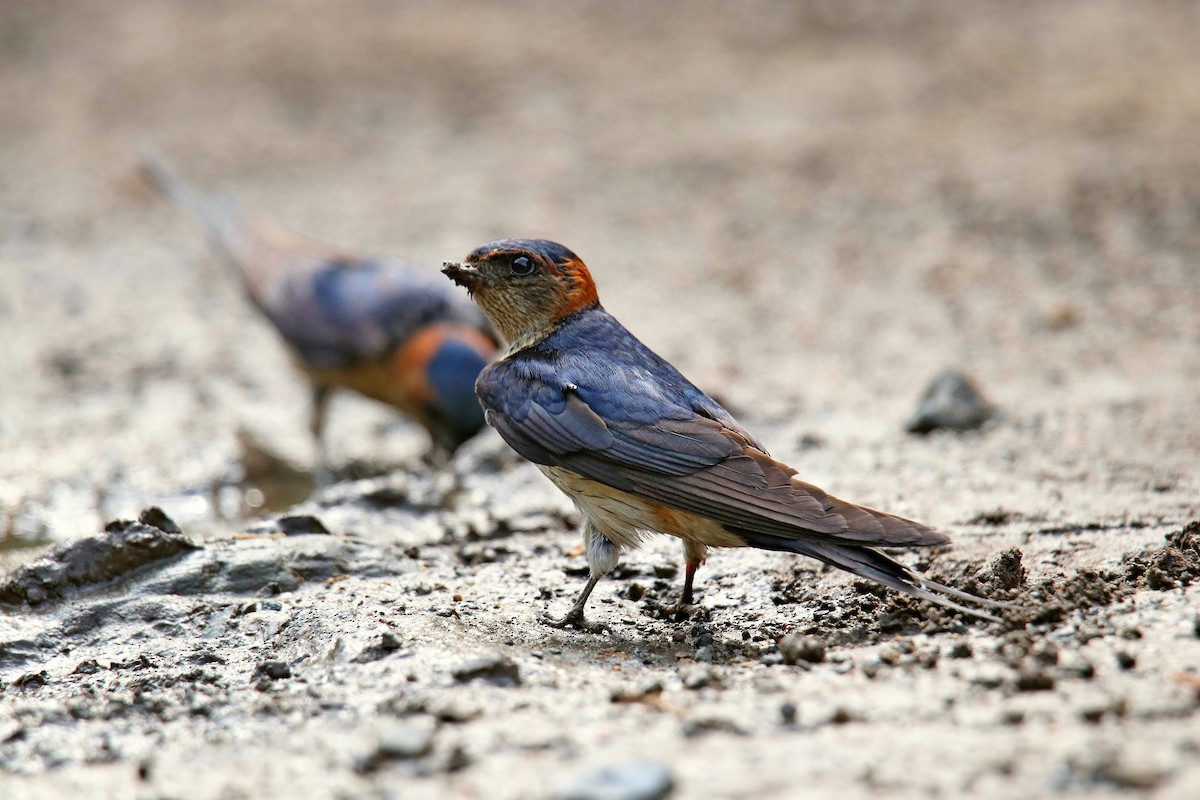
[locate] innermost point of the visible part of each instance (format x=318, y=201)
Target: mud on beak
x=462, y=274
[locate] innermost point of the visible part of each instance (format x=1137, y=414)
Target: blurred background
x=810, y=207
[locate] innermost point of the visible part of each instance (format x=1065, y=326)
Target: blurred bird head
x=436, y=372
x=525, y=286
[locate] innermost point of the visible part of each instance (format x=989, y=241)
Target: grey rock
x=950, y=402
x=634, y=780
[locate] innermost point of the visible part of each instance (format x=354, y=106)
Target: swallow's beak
x=462, y=274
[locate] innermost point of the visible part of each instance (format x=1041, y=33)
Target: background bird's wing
x=334, y=308
x=681, y=454
x=345, y=312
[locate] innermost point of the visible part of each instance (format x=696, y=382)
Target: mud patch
x=875, y=614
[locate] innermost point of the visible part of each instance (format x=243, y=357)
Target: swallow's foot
x=681, y=610
x=575, y=619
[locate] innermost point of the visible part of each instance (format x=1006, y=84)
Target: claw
x=575, y=619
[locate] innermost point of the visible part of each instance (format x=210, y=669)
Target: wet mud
x=813, y=209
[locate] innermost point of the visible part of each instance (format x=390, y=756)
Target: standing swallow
x=639, y=449
x=380, y=327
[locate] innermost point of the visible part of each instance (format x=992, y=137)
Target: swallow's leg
x=316, y=423
x=688, y=577
x=696, y=554
x=602, y=557
x=575, y=618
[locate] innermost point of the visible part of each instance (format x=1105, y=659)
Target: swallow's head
x=525, y=286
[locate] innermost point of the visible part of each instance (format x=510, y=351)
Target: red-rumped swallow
x=639, y=449
x=377, y=326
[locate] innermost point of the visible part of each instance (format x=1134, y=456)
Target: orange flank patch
x=412, y=359
x=400, y=381
x=581, y=289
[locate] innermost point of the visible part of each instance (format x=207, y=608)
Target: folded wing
x=682, y=458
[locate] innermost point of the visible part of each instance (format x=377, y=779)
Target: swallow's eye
x=522, y=266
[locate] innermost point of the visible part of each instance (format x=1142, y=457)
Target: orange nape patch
x=581, y=289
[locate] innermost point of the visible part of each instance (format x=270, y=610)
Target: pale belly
x=625, y=519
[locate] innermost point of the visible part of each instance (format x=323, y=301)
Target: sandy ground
x=810, y=208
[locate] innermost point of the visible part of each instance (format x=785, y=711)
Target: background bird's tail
x=258, y=249
x=869, y=563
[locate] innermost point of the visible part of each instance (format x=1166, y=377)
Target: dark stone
x=122, y=549
x=89, y=667
x=496, y=669
x=950, y=402
x=301, y=524
x=1034, y=681
x=272, y=670
x=960, y=650
x=155, y=517
x=32, y=680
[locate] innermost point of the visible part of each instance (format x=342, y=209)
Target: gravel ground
x=811, y=208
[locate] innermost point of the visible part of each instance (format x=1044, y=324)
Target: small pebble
x=410, y=740
x=495, y=669
x=959, y=650
x=301, y=524
x=950, y=402
x=1126, y=660
x=155, y=517
x=698, y=677
x=1076, y=664
x=634, y=780
x=1012, y=716
x=788, y=712
x=1034, y=681
x=1046, y=652
x=272, y=670
x=795, y=648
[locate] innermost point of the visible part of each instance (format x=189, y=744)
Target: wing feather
x=686, y=460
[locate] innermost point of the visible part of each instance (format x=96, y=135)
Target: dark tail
x=869, y=563
x=238, y=239
x=220, y=215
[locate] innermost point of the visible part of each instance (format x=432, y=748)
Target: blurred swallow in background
x=639, y=449
x=380, y=327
